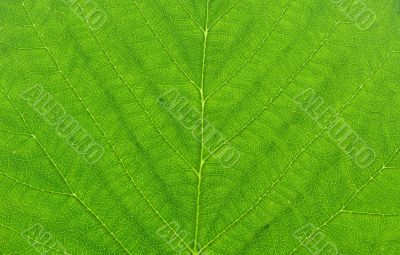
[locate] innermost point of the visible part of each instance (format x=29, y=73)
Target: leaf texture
x=203, y=139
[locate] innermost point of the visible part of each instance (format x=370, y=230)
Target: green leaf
x=199, y=127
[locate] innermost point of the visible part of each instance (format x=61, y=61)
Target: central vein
x=202, y=159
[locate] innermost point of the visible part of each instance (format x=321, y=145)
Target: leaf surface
x=196, y=132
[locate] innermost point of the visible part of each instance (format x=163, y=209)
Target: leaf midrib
x=202, y=160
